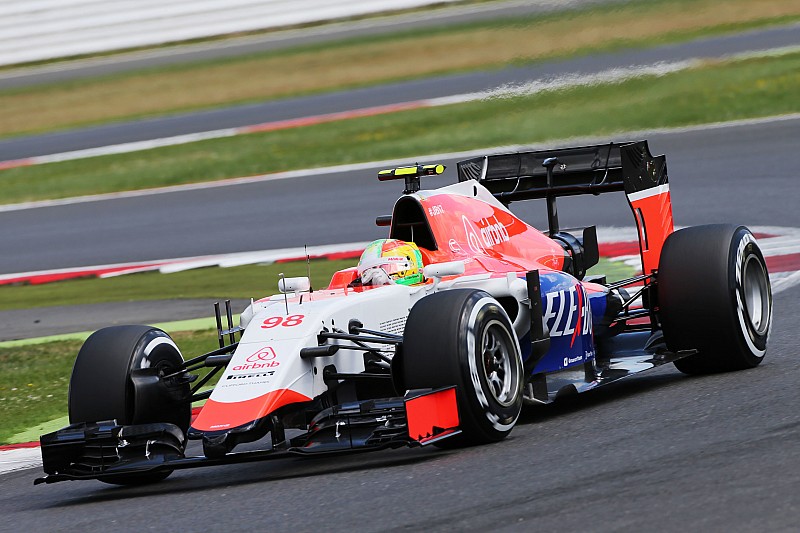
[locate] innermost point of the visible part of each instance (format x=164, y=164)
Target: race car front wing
x=106, y=449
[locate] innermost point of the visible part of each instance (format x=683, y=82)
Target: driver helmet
x=390, y=261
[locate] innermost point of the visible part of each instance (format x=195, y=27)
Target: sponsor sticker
x=263, y=358
x=567, y=312
x=487, y=233
x=435, y=210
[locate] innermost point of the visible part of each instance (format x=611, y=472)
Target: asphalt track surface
x=745, y=174
x=659, y=451
x=55, y=320
x=285, y=109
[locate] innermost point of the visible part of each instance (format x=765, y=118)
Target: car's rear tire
x=101, y=387
x=463, y=337
x=714, y=295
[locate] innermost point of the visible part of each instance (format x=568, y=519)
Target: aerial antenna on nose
x=285, y=297
x=308, y=269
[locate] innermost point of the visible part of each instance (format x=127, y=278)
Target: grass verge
x=714, y=92
x=35, y=380
x=372, y=60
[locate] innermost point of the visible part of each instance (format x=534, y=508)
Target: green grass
x=35, y=379
x=716, y=92
x=34, y=384
x=33, y=433
x=613, y=270
x=391, y=56
x=251, y=281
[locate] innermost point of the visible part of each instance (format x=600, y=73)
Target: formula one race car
x=439, y=335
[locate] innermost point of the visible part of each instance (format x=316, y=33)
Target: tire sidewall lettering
x=747, y=248
x=476, y=323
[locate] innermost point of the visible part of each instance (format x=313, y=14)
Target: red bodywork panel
x=432, y=416
x=240, y=413
x=652, y=209
x=489, y=238
x=482, y=233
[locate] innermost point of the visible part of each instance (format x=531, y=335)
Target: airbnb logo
x=264, y=354
x=262, y=359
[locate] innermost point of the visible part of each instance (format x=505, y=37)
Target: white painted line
x=19, y=459
x=263, y=256
x=180, y=264
x=784, y=280
x=57, y=271
x=786, y=241
x=611, y=234
x=780, y=245
x=135, y=146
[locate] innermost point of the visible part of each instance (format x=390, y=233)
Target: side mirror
x=440, y=270
x=301, y=284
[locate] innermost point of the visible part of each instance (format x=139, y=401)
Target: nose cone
x=219, y=416
x=262, y=377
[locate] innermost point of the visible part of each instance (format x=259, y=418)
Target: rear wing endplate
x=596, y=169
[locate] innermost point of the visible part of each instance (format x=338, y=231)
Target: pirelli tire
x=464, y=337
x=714, y=295
x=118, y=375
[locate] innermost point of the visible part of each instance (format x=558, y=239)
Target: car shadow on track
x=200, y=480
x=614, y=392
x=203, y=479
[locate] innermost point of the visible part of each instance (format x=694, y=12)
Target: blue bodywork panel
x=569, y=312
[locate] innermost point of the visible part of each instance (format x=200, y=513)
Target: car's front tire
x=714, y=295
x=101, y=386
x=463, y=337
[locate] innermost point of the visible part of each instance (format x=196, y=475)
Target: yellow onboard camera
x=411, y=174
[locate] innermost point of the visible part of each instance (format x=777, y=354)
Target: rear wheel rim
x=756, y=295
x=498, y=366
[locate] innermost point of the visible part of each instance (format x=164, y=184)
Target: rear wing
x=548, y=174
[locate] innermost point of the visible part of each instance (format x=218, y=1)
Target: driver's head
x=390, y=261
